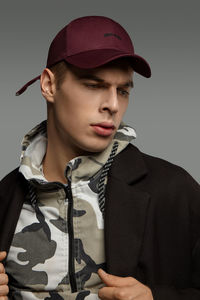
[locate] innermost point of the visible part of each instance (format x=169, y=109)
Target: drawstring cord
x=104, y=173
x=32, y=197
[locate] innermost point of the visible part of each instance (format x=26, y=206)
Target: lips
x=104, y=128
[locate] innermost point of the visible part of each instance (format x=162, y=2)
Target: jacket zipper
x=72, y=278
x=68, y=194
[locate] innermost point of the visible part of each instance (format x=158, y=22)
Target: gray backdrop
x=164, y=110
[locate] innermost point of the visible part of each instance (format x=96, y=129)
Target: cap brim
x=96, y=58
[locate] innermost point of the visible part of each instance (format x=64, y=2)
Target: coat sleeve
x=188, y=190
x=12, y=196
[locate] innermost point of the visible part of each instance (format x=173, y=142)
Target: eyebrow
x=88, y=76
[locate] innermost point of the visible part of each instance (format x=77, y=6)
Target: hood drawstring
x=32, y=197
x=104, y=173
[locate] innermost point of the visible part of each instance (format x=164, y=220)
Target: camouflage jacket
x=152, y=223
x=58, y=244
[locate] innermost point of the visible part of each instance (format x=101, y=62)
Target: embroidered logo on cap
x=112, y=34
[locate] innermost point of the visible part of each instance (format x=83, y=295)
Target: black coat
x=152, y=223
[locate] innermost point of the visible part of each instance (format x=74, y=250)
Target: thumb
x=2, y=255
x=115, y=281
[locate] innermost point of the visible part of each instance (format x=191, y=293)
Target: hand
x=122, y=288
x=3, y=278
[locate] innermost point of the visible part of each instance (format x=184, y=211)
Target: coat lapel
x=125, y=213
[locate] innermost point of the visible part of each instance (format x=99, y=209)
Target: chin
x=97, y=147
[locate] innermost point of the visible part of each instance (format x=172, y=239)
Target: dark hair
x=59, y=70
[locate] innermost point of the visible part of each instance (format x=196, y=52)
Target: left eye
x=123, y=92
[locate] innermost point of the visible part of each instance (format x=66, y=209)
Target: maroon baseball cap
x=90, y=42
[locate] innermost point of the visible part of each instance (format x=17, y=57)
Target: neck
x=54, y=169
x=57, y=156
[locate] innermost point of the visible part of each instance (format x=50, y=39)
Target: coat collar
x=129, y=165
x=125, y=213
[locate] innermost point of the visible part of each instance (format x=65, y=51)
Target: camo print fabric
x=38, y=260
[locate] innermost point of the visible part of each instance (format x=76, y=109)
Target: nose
x=110, y=101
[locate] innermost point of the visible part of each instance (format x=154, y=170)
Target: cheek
x=123, y=108
x=70, y=116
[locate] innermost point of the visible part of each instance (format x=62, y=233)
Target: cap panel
x=89, y=33
x=57, y=49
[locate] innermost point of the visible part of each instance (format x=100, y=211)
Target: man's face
x=89, y=106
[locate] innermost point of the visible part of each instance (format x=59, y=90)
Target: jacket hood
x=34, y=148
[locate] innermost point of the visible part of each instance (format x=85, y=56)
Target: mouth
x=103, y=129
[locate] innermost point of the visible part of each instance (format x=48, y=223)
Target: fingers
x=3, y=285
x=122, y=288
x=3, y=276
x=2, y=255
x=125, y=293
x=106, y=293
x=3, y=279
x=2, y=269
x=115, y=281
x=118, y=293
x=4, y=290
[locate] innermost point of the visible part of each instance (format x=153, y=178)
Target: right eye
x=92, y=85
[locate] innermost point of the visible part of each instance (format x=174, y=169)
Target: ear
x=47, y=85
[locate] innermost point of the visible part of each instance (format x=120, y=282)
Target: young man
x=84, y=199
